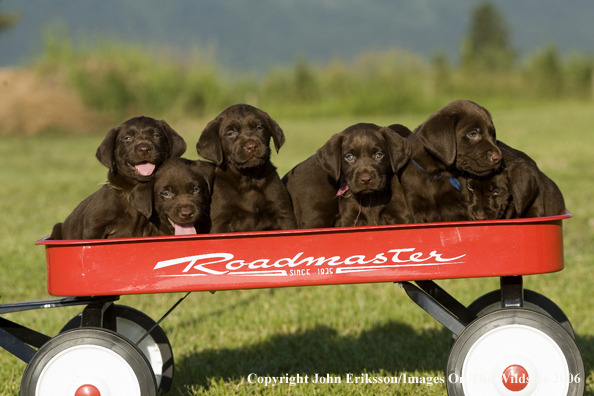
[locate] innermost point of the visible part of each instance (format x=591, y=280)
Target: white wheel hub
x=515, y=360
x=92, y=365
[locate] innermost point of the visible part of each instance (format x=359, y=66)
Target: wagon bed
x=305, y=257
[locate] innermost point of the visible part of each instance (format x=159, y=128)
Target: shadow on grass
x=390, y=347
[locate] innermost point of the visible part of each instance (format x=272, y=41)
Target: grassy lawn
x=219, y=340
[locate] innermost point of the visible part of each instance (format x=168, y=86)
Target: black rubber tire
x=505, y=319
x=57, y=349
x=532, y=300
x=165, y=381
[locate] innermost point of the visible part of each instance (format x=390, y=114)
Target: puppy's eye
x=259, y=128
x=349, y=157
x=156, y=135
x=379, y=155
x=497, y=191
x=474, y=134
x=231, y=133
x=127, y=137
x=166, y=194
x=195, y=190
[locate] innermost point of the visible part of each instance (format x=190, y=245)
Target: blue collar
x=455, y=182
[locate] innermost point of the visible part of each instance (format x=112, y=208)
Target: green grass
x=218, y=340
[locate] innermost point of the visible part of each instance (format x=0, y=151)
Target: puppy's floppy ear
x=523, y=186
x=330, y=156
x=209, y=144
x=141, y=198
x=398, y=147
x=177, y=145
x=401, y=130
x=278, y=136
x=106, y=151
x=438, y=135
x=207, y=171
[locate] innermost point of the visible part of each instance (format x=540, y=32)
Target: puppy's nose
x=365, y=178
x=250, y=146
x=495, y=158
x=480, y=215
x=186, y=212
x=143, y=149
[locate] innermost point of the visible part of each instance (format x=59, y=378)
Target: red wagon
x=509, y=342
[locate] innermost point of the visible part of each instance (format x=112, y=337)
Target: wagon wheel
x=133, y=325
x=532, y=300
x=512, y=350
x=88, y=361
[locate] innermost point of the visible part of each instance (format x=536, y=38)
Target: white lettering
x=201, y=263
x=437, y=257
x=357, y=260
x=397, y=252
x=230, y=264
x=263, y=262
x=200, y=267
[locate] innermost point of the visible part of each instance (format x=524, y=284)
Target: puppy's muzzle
x=488, y=162
x=251, y=146
x=186, y=213
x=479, y=214
x=250, y=153
x=494, y=157
x=143, y=150
x=367, y=180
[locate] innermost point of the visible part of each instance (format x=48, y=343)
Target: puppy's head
x=240, y=136
x=507, y=194
x=135, y=148
x=488, y=199
x=364, y=155
x=182, y=191
x=462, y=134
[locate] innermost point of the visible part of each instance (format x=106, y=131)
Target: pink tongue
x=184, y=229
x=342, y=190
x=145, y=168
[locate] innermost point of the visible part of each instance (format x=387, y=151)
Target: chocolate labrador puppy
x=120, y=209
x=248, y=194
x=457, y=139
x=182, y=191
x=363, y=159
x=313, y=194
x=313, y=188
x=520, y=190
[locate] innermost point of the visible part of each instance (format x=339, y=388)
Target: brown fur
x=313, y=188
x=182, y=190
x=520, y=190
x=457, y=139
x=313, y=194
x=248, y=194
x=121, y=208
